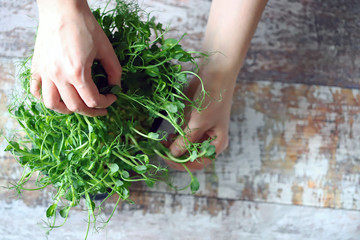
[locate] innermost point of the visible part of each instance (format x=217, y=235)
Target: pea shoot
x=84, y=156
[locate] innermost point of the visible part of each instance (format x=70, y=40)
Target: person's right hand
x=69, y=39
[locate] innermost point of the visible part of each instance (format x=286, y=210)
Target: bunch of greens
x=84, y=156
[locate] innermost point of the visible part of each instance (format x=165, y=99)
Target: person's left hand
x=212, y=122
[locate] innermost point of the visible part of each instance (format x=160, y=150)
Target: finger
x=178, y=147
x=220, y=142
x=111, y=64
x=221, y=139
x=197, y=165
x=51, y=97
x=35, y=85
x=170, y=138
x=35, y=82
x=74, y=103
x=89, y=93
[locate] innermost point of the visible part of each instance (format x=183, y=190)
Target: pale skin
x=69, y=39
x=231, y=26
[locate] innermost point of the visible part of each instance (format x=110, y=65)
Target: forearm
x=231, y=26
x=53, y=8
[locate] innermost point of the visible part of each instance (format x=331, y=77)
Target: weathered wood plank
x=7, y=79
x=289, y=143
x=191, y=221
x=310, y=42
x=18, y=20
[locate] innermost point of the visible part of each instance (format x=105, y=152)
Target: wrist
x=218, y=81
x=53, y=8
x=217, y=67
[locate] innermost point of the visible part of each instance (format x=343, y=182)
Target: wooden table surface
x=292, y=170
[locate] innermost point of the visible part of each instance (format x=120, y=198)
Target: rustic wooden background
x=292, y=170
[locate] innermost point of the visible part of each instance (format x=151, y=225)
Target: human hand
x=230, y=27
x=69, y=39
x=212, y=122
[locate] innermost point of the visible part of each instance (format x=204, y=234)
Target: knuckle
x=92, y=103
x=51, y=104
x=57, y=72
x=34, y=92
x=75, y=108
x=34, y=89
x=78, y=70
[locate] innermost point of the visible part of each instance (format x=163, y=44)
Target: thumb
x=111, y=64
x=178, y=147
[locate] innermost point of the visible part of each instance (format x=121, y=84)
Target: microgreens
x=84, y=156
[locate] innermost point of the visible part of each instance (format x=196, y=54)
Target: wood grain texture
x=294, y=134
x=18, y=20
x=289, y=143
x=245, y=220
x=311, y=42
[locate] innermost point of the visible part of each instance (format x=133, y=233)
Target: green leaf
x=143, y=158
x=169, y=43
x=195, y=185
x=96, y=14
x=107, y=20
x=64, y=212
x=180, y=105
x=25, y=159
x=8, y=148
x=34, y=109
x=193, y=156
x=51, y=210
x=210, y=152
x=140, y=169
x=171, y=108
x=185, y=58
x=119, y=21
x=69, y=157
x=125, y=193
x=113, y=167
x=13, y=145
x=125, y=174
x=205, y=145
x=152, y=72
x=91, y=129
x=150, y=183
x=153, y=135
x=119, y=183
x=115, y=89
x=182, y=78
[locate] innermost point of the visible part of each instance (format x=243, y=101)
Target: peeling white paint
x=313, y=164
x=246, y=220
